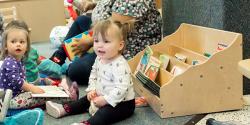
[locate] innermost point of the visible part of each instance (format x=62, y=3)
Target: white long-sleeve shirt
x=112, y=80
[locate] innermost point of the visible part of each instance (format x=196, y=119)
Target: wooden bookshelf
x=211, y=86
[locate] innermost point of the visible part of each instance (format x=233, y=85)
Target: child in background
x=32, y=71
x=16, y=46
x=31, y=67
x=110, y=86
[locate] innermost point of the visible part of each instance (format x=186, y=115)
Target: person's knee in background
x=80, y=69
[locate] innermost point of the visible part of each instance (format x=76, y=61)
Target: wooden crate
x=213, y=85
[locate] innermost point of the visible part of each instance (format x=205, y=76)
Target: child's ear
x=122, y=44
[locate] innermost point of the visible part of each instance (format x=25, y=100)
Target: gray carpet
x=142, y=115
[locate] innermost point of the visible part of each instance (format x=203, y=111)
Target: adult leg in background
x=80, y=69
x=81, y=24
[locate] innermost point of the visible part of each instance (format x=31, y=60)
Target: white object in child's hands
x=92, y=108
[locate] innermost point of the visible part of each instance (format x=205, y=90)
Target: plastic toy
x=70, y=1
x=72, y=12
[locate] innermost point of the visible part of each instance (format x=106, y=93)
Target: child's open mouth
x=18, y=50
x=101, y=52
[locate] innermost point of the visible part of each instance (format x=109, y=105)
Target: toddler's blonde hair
x=124, y=28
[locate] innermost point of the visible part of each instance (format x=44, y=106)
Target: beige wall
x=40, y=15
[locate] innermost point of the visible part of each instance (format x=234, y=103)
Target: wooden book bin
x=213, y=85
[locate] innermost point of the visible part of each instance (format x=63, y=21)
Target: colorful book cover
x=152, y=68
x=164, y=60
x=144, y=59
x=70, y=42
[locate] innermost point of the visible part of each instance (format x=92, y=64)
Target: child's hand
x=91, y=95
x=31, y=88
x=37, y=90
x=99, y=101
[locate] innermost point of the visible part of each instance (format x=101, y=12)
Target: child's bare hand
x=37, y=90
x=99, y=101
x=91, y=95
x=31, y=88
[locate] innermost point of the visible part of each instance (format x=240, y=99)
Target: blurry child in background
x=31, y=67
x=31, y=64
x=110, y=84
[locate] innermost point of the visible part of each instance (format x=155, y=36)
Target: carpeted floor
x=142, y=115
